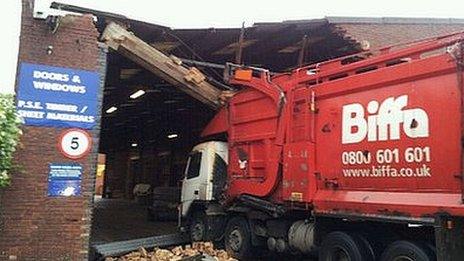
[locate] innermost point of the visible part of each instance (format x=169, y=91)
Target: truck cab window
x=194, y=165
x=219, y=176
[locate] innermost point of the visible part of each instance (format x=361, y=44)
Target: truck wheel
x=340, y=246
x=407, y=251
x=198, y=227
x=237, y=239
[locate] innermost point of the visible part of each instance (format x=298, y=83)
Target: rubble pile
x=196, y=251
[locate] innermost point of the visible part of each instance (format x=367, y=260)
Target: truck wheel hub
x=341, y=255
x=198, y=232
x=235, y=240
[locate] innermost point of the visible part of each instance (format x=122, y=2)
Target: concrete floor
x=120, y=219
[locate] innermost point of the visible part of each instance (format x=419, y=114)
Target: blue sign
x=57, y=97
x=64, y=179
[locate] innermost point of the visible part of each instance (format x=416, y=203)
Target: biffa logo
x=383, y=122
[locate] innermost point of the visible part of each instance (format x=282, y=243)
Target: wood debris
x=196, y=251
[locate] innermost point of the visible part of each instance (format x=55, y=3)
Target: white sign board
x=75, y=143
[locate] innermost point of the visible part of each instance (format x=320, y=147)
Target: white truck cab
x=205, y=174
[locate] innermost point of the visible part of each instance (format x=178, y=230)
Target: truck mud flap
x=100, y=251
x=449, y=238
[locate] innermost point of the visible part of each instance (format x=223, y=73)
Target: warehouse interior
x=146, y=138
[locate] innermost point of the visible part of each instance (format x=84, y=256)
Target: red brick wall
x=384, y=34
x=32, y=225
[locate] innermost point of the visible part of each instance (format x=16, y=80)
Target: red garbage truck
x=356, y=158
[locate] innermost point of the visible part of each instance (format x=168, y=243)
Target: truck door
x=194, y=184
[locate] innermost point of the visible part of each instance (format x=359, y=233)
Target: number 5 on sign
x=75, y=143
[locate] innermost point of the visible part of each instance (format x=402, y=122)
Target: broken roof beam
x=189, y=80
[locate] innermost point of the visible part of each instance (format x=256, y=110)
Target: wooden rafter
x=189, y=80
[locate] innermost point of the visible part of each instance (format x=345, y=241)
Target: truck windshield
x=194, y=165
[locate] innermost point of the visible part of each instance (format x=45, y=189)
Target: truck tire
x=237, y=238
x=198, y=226
x=342, y=246
x=403, y=250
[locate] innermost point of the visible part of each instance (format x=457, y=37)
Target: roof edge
x=392, y=20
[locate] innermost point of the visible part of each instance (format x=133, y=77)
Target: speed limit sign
x=75, y=143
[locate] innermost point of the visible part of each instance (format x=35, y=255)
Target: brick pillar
x=32, y=225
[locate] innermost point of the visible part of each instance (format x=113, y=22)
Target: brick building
x=34, y=226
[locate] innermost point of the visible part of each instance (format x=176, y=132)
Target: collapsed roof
x=276, y=46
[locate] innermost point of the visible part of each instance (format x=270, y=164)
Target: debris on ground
x=198, y=251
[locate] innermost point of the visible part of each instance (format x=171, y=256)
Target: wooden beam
x=302, y=55
x=238, y=53
x=189, y=80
